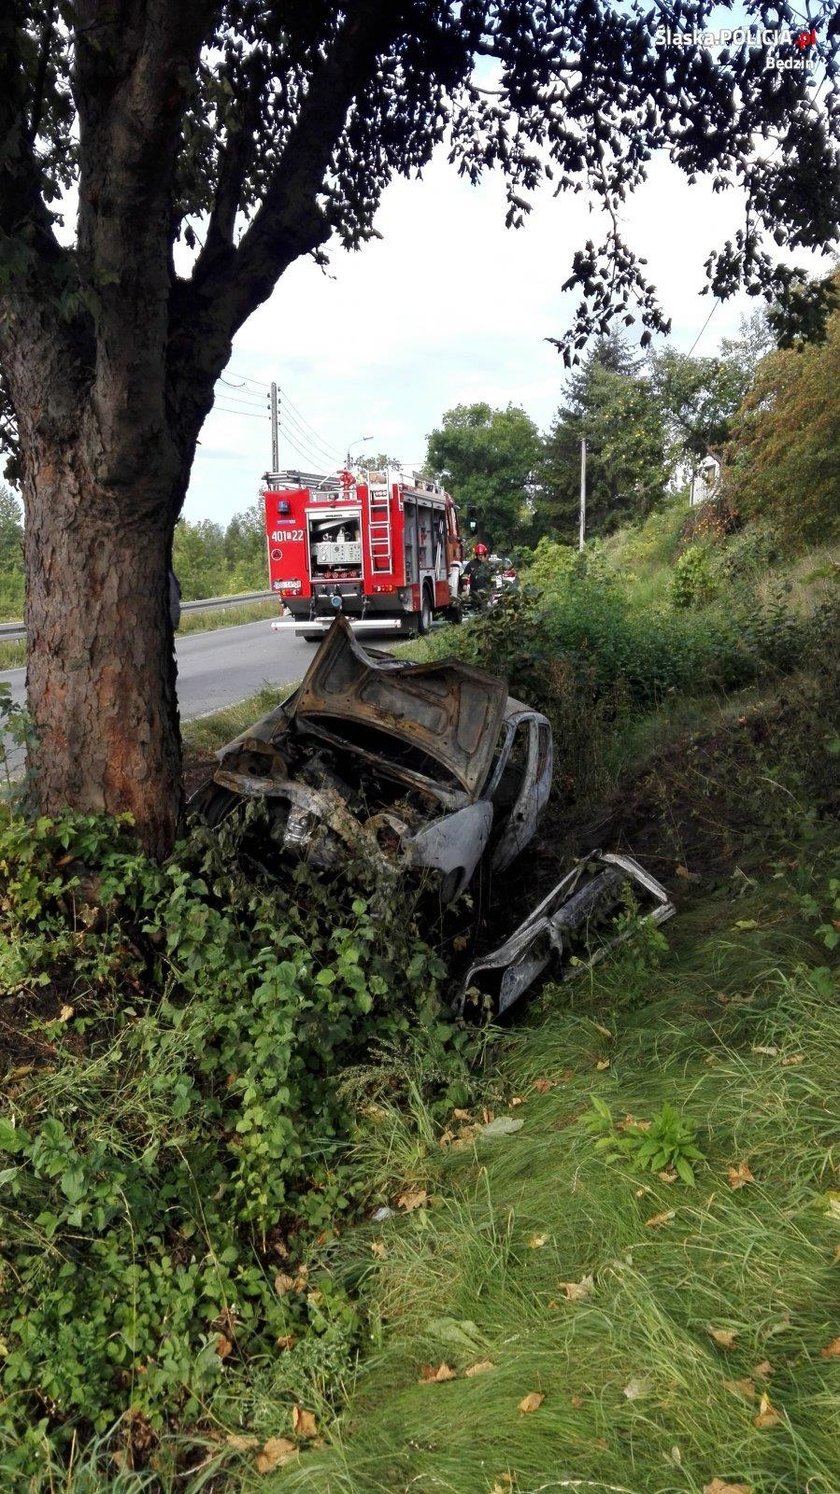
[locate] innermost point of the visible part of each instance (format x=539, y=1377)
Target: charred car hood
x=445, y=715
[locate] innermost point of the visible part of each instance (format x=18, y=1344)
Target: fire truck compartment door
x=448, y=711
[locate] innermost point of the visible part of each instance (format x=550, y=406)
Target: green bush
x=693, y=582
x=182, y=1139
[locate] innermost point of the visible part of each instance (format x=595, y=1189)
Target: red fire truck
x=382, y=547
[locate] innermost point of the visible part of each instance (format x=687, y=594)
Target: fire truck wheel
x=312, y=637
x=424, y=616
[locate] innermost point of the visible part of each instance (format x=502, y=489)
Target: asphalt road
x=218, y=668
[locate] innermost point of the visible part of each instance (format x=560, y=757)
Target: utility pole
x=275, y=431
x=582, y=535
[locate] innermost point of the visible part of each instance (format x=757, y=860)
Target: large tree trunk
x=101, y=666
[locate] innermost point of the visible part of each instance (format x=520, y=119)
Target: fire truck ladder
x=379, y=514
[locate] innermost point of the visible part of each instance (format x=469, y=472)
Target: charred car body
x=429, y=769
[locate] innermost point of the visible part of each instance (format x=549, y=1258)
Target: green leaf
x=684, y=1170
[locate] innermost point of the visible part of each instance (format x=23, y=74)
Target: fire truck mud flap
x=599, y=904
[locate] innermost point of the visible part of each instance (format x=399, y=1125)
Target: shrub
x=693, y=581
x=182, y=1139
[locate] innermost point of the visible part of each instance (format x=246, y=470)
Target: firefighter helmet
x=481, y=550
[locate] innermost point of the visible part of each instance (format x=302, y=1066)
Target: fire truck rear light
x=289, y=588
x=384, y=588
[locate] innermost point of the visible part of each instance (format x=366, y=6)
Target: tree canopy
x=488, y=458
x=250, y=135
x=610, y=404
x=783, y=463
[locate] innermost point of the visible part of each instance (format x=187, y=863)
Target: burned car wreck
x=427, y=771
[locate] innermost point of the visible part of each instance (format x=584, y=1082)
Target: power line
x=325, y=453
x=239, y=400
x=246, y=414
x=319, y=449
x=704, y=326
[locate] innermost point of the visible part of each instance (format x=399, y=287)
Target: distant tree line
x=212, y=561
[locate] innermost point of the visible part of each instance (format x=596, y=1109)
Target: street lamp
x=358, y=441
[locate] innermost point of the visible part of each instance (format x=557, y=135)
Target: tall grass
x=638, y=1394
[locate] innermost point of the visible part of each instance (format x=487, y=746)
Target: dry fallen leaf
x=284, y=1283
x=767, y=1049
x=461, y=1115
x=739, y=1176
x=718, y=1486
x=377, y=1248
x=241, y=1443
x=635, y=1389
x=788, y=1063
x=516, y=1100
x=286, y=1341
x=576, y=1401
x=66, y=1013
x=723, y=1337
x=276, y=1451
x=603, y=1063
x=832, y=1350
x=542, y=1086
x=836, y=1259
x=745, y=1388
x=413, y=1198
x=578, y=1291
x=531, y=1402
x=670, y=1175
x=223, y=1346
x=764, y=1370
x=481, y=1368
x=767, y=1415
x=604, y=1031
x=640, y=1192
x=503, y=1484
x=656, y=1219
x=303, y=1422
x=433, y=1374
x=536, y=1242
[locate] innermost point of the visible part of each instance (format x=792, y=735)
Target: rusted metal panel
x=450, y=712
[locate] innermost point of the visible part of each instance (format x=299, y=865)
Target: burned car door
x=520, y=783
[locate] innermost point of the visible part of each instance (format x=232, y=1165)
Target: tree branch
x=21, y=202
x=47, y=34
x=228, y=283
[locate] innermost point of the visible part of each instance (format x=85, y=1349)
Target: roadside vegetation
x=271, y=1219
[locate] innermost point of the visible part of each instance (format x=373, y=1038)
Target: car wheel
x=425, y=615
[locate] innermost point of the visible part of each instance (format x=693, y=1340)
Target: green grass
x=228, y=617
x=635, y=1387
x=209, y=733
x=12, y=654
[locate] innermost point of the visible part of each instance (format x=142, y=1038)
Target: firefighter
x=479, y=576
